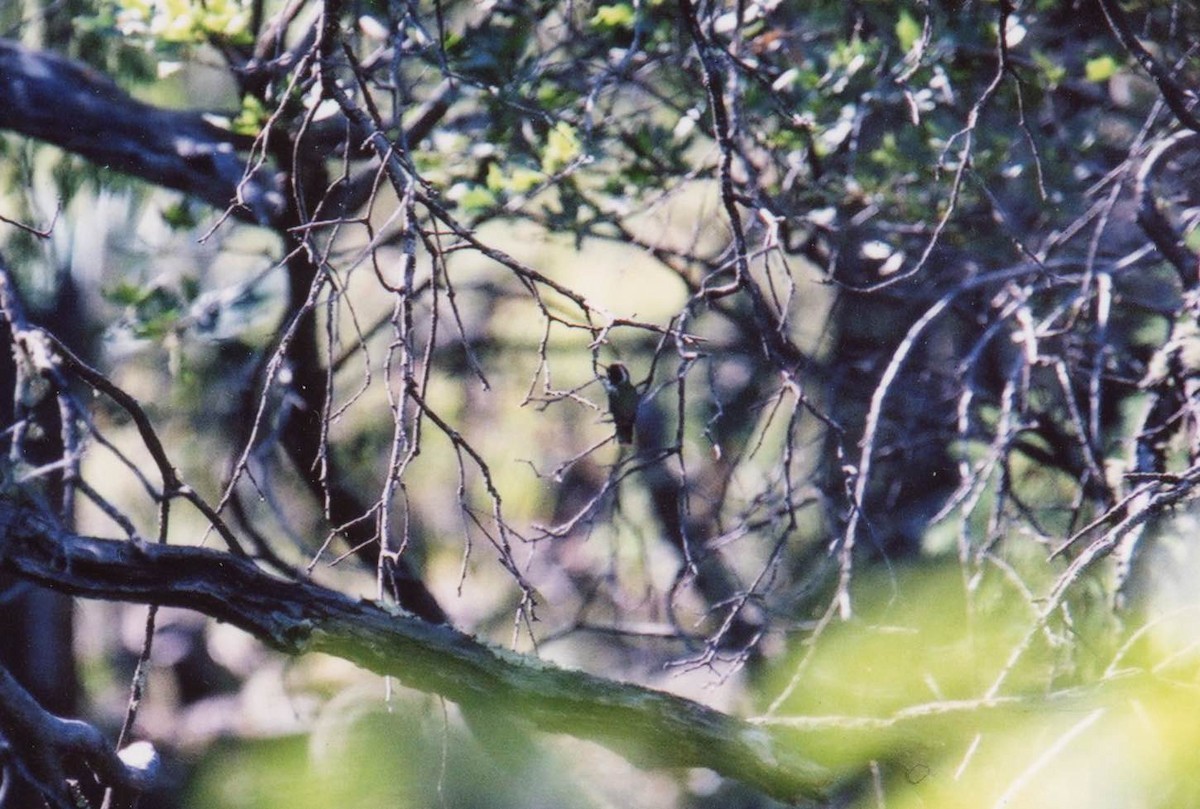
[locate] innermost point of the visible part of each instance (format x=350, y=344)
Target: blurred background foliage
x=891, y=492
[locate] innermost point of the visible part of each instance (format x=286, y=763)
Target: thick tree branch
x=1150, y=216
x=53, y=99
x=650, y=727
x=1175, y=97
x=48, y=749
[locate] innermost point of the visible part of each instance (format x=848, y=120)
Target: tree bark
x=65, y=103
x=651, y=728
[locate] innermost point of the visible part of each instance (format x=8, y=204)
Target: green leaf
x=908, y=31
x=179, y=215
x=522, y=180
x=495, y=178
x=516, y=180
x=617, y=15
x=124, y=293
x=562, y=147
x=477, y=199
x=1101, y=68
x=185, y=21
x=251, y=118
x=1052, y=70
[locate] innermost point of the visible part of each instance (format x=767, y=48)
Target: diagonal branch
x=50, y=98
x=651, y=728
x=1176, y=97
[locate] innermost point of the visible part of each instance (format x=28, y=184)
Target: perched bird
x=623, y=400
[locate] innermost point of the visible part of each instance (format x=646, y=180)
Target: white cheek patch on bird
x=623, y=401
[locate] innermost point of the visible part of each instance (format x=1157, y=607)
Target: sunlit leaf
x=1101, y=68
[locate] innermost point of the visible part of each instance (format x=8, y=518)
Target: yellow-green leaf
x=562, y=147
x=1101, y=68
x=908, y=31
x=617, y=15
x=250, y=119
x=476, y=199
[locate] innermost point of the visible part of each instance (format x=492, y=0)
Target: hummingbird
x=623, y=400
